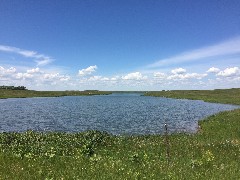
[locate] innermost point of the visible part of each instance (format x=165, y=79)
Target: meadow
x=4, y=93
x=225, y=96
x=212, y=153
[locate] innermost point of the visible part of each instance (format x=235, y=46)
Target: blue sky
x=120, y=45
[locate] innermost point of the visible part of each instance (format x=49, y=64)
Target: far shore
x=5, y=93
x=224, y=96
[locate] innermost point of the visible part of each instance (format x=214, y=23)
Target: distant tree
x=13, y=87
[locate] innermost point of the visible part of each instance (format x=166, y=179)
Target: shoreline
x=6, y=94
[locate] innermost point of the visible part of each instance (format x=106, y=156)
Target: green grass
x=226, y=96
x=212, y=153
x=30, y=93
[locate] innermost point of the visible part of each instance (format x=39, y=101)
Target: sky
x=120, y=44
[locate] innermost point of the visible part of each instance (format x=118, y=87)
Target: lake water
x=116, y=114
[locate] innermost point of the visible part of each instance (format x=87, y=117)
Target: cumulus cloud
x=34, y=78
x=23, y=76
x=64, y=78
x=87, y=71
x=134, y=76
x=95, y=78
x=159, y=75
x=56, y=77
x=50, y=76
x=228, y=72
x=40, y=59
x=11, y=70
x=178, y=78
x=195, y=75
x=101, y=78
x=4, y=71
x=32, y=71
x=178, y=71
x=114, y=78
x=186, y=76
x=213, y=70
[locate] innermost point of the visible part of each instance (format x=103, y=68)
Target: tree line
x=13, y=87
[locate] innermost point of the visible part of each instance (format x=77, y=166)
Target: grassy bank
x=212, y=153
x=226, y=96
x=30, y=93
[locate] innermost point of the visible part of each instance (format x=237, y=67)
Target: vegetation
x=212, y=153
x=227, y=96
x=13, y=87
x=6, y=93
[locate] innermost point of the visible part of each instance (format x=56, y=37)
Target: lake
x=128, y=113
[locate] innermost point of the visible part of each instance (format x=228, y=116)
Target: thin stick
x=167, y=143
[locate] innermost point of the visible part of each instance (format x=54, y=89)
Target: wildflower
x=208, y=156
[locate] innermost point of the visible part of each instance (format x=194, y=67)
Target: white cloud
x=26, y=53
x=64, y=78
x=95, y=78
x=195, y=76
x=34, y=78
x=51, y=76
x=134, y=76
x=8, y=49
x=213, y=70
x=105, y=79
x=11, y=70
x=229, y=47
x=54, y=77
x=44, y=61
x=4, y=71
x=114, y=78
x=159, y=75
x=101, y=78
x=40, y=59
x=31, y=71
x=23, y=76
x=229, y=72
x=87, y=71
x=186, y=76
x=178, y=71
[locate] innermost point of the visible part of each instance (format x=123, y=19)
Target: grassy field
x=226, y=96
x=212, y=153
x=30, y=93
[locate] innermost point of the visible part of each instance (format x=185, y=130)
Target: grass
x=226, y=96
x=212, y=153
x=30, y=93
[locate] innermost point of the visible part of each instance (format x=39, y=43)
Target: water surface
x=116, y=114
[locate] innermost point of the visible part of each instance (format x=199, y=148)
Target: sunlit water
x=116, y=114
